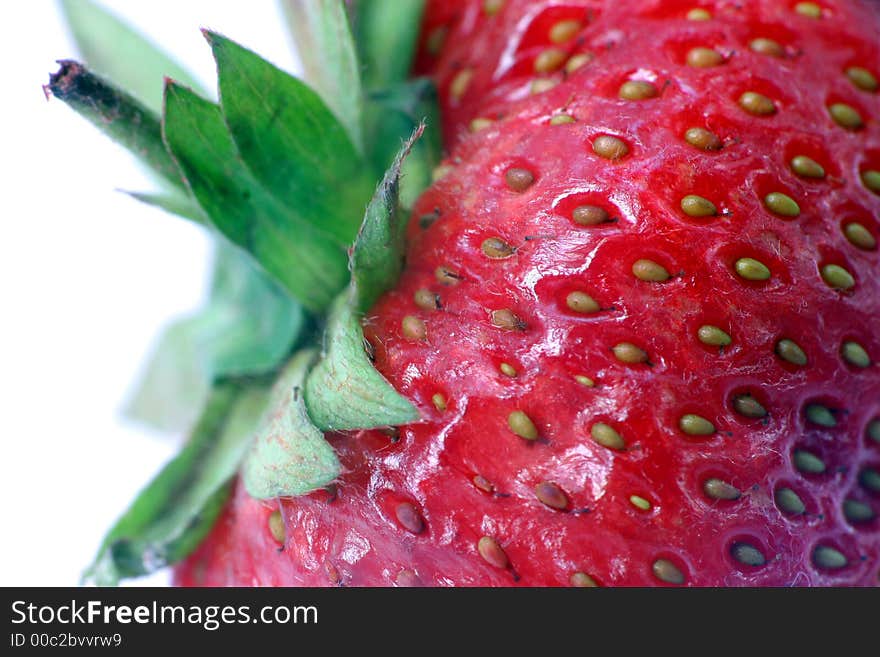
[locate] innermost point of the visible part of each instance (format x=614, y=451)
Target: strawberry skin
x=621, y=384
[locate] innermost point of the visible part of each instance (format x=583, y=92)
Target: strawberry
x=638, y=316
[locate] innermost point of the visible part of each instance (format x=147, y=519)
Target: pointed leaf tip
x=289, y=455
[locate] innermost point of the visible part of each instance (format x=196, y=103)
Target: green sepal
x=291, y=142
x=289, y=455
x=248, y=326
x=171, y=516
x=344, y=390
x=326, y=47
x=115, y=113
x=377, y=256
x=114, y=50
x=386, y=33
x=172, y=201
x=307, y=263
x=391, y=115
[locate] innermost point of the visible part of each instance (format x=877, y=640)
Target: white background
x=87, y=277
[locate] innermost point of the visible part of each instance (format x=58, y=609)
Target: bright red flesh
x=360, y=537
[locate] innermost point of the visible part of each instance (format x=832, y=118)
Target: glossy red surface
x=355, y=537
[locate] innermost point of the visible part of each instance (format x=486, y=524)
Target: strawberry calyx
x=280, y=174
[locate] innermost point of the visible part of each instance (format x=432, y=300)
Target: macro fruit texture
x=639, y=315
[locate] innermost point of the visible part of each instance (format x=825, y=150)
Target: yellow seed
x=507, y=370
x=611, y=148
x=808, y=9
x=413, y=328
x=790, y=351
x=856, y=511
x=697, y=206
x=713, y=336
x=702, y=139
x=606, y=436
x=446, y=276
x=519, y=179
x=460, y=83
x=276, y=526
x=837, y=277
x=695, y=425
x=828, y=558
x=869, y=478
x=564, y=30
x=752, y=270
x=551, y=495
x=648, y=270
x=506, y=319
x=627, y=352
x=585, y=381
x=718, y=489
x=789, y=502
x=748, y=406
x=561, y=119
x=439, y=402
x=668, y=572
x=492, y=552
x=637, y=90
x=698, y=14
x=495, y=247
x=577, y=61
x=871, y=180
x=589, y=215
x=782, y=204
x=640, y=502
x=748, y=554
x=855, y=354
x=522, y=425
x=540, y=85
x=480, y=123
x=807, y=167
x=441, y=171
x=862, y=78
x=845, y=116
x=703, y=58
x=581, y=302
x=492, y=7
x=757, y=104
x=807, y=462
x=764, y=46
x=873, y=432
x=436, y=39
x=426, y=299
x=549, y=60
x=582, y=580
x=859, y=236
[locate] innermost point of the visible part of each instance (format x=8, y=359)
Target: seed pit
x=519, y=179
x=610, y=147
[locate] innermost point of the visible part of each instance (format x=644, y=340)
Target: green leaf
x=173, y=202
x=344, y=390
x=308, y=264
x=292, y=142
x=289, y=455
x=386, y=32
x=392, y=115
x=115, y=113
x=178, y=507
x=377, y=256
x=248, y=327
x=327, y=50
x=116, y=51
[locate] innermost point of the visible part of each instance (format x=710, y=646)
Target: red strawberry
x=639, y=317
